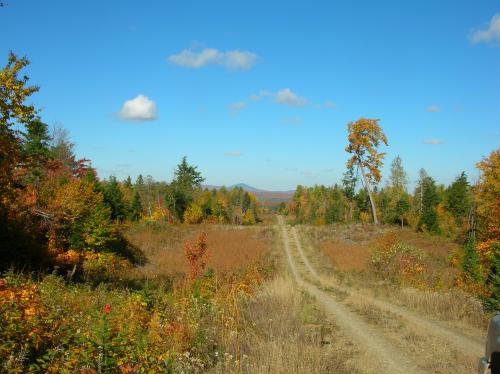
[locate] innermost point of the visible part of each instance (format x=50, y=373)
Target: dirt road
x=388, y=349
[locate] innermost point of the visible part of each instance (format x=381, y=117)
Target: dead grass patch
x=230, y=247
x=284, y=332
x=346, y=257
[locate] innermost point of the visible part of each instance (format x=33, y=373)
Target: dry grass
x=230, y=247
x=431, y=353
x=346, y=257
x=453, y=305
x=285, y=333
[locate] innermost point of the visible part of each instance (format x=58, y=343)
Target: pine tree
x=430, y=199
x=136, y=207
x=471, y=264
x=36, y=149
x=113, y=198
x=457, y=197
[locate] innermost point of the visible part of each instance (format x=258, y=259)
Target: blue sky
x=260, y=92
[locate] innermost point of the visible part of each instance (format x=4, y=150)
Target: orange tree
x=365, y=135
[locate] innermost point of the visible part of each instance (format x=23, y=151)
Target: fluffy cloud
x=433, y=109
x=489, y=35
x=237, y=106
x=287, y=97
x=233, y=154
x=235, y=60
x=141, y=108
x=433, y=141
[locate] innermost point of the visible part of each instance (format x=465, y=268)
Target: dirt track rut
x=465, y=344
x=383, y=356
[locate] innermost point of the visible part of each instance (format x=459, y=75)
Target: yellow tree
x=487, y=198
x=13, y=112
x=365, y=135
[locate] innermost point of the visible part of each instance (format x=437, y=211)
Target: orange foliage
x=196, y=255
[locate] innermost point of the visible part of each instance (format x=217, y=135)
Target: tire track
x=463, y=343
x=383, y=356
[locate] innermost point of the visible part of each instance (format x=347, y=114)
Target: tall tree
x=14, y=113
x=179, y=194
x=457, y=198
x=113, y=198
x=36, y=149
x=398, y=178
x=430, y=199
x=364, y=136
x=136, y=207
x=487, y=201
x=62, y=148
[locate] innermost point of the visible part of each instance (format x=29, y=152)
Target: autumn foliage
x=196, y=255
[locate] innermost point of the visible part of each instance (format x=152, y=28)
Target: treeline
x=430, y=207
x=53, y=205
x=184, y=200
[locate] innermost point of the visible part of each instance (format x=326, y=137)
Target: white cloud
x=433, y=109
x=233, y=154
x=141, y=108
x=288, y=97
x=234, y=60
x=489, y=35
x=237, y=106
x=433, y=141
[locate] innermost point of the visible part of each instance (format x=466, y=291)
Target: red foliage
x=107, y=309
x=197, y=255
x=83, y=168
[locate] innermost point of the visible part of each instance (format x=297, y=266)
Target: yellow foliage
x=364, y=217
x=193, y=214
x=487, y=196
x=248, y=218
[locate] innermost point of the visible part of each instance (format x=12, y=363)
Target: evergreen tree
x=136, y=207
x=128, y=182
x=471, y=263
x=402, y=207
x=457, y=198
x=139, y=183
x=493, y=281
x=430, y=199
x=113, y=198
x=36, y=149
x=179, y=194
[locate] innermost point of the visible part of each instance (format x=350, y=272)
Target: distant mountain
x=266, y=197
x=245, y=187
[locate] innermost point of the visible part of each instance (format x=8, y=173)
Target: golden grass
x=230, y=247
x=284, y=333
x=346, y=257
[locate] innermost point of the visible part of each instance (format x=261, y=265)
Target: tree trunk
x=375, y=220
x=402, y=221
